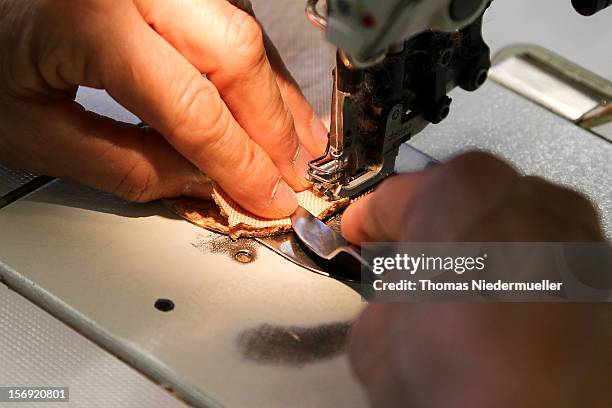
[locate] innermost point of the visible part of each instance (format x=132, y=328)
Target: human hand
x=245, y=124
x=472, y=198
x=479, y=355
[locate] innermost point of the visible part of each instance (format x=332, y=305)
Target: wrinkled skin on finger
x=235, y=124
x=479, y=355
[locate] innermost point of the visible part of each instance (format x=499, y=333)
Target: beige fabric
x=313, y=202
x=223, y=215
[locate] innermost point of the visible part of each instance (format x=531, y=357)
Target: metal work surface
x=95, y=377
x=232, y=325
x=535, y=140
x=266, y=333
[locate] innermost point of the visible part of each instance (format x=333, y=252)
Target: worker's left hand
x=245, y=124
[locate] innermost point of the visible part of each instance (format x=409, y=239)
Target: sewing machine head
x=397, y=61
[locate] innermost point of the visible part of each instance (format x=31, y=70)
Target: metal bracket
x=558, y=85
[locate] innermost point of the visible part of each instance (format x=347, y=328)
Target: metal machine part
x=396, y=62
x=376, y=109
x=557, y=84
x=367, y=30
x=343, y=268
x=321, y=239
x=590, y=7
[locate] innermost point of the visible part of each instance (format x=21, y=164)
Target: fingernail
x=300, y=166
x=319, y=131
x=284, y=201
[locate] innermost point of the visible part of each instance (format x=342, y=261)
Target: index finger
x=227, y=43
x=148, y=76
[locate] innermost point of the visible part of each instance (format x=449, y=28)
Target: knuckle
x=477, y=164
x=539, y=187
x=247, y=164
x=523, y=217
x=578, y=206
x=583, y=202
x=246, y=39
x=478, y=174
x=283, y=126
x=212, y=136
x=94, y=26
x=255, y=172
x=199, y=114
x=576, y=199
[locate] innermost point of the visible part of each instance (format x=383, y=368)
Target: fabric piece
x=313, y=202
x=222, y=214
x=203, y=213
x=311, y=60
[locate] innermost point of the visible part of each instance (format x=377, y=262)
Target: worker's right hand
x=479, y=354
x=473, y=198
x=245, y=123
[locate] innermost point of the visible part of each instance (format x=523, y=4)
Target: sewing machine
x=122, y=302
x=397, y=60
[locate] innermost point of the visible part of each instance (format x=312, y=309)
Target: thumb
x=382, y=215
